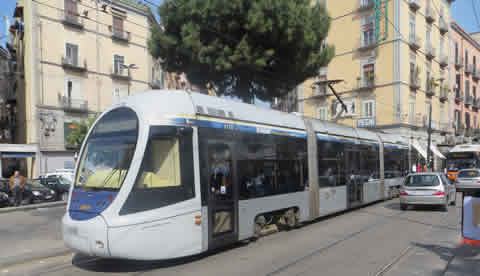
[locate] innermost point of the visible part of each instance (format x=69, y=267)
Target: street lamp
x=129, y=68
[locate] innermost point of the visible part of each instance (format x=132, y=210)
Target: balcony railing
x=320, y=90
x=414, y=4
x=120, y=74
x=414, y=82
x=367, y=44
x=74, y=104
x=443, y=94
x=367, y=84
x=72, y=19
x=430, y=51
x=73, y=64
x=429, y=15
x=475, y=103
x=443, y=60
x=458, y=96
x=415, y=42
x=443, y=26
x=458, y=62
x=430, y=90
x=468, y=68
x=119, y=34
x=366, y=5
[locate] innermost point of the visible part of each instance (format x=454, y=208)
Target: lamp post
x=129, y=68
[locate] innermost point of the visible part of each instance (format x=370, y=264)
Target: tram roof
x=158, y=103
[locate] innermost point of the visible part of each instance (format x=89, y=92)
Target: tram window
x=369, y=164
x=166, y=175
x=396, y=162
x=331, y=164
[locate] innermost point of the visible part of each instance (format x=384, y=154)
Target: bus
x=462, y=157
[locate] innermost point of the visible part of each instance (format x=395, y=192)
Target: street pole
x=130, y=76
x=429, y=131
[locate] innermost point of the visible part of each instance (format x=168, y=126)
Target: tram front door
x=223, y=197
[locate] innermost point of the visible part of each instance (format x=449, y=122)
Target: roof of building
x=465, y=35
x=134, y=4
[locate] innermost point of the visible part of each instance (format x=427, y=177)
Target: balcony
x=120, y=74
x=367, y=44
x=458, y=62
x=468, y=68
x=458, y=96
x=429, y=16
x=415, y=41
x=71, y=64
x=430, y=92
x=430, y=51
x=468, y=100
x=475, y=74
x=443, y=61
x=443, y=26
x=414, y=82
x=320, y=91
x=367, y=84
x=475, y=104
x=366, y=5
x=414, y=4
x=119, y=34
x=72, y=19
x=443, y=94
x=77, y=105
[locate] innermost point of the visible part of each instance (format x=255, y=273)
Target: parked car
x=427, y=189
x=468, y=179
x=4, y=197
x=32, y=192
x=65, y=173
x=59, y=184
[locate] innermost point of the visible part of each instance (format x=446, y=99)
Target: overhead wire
x=475, y=13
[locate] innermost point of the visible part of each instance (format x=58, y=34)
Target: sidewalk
x=466, y=261
x=32, y=206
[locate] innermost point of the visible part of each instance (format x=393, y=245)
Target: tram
x=166, y=174
x=461, y=157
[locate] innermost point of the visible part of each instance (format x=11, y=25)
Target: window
x=457, y=119
x=396, y=162
x=118, y=63
x=474, y=122
x=428, y=83
x=441, y=47
x=412, y=27
x=368, y=75
x=474, y=93
x=411, y=111
x=73, y=89
x=467, y=89
x=71, y=53
x=467, y=120
x=428, y=105
x=422, y=180
x=117, y=24
x=466, y=56
x=166, y=174
x=119, y=93
x=457, y=86
x=368, y=30
x=474, y=63
x=428, y=41
x=456, y=52
x=71, y=8
x=368, y=109
x=322, y=113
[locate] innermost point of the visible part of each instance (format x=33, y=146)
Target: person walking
x=17, y=184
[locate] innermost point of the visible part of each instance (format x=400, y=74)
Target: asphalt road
x=379, y=239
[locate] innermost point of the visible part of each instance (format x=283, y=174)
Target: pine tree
x=243, y=48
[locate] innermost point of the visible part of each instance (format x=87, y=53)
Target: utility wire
x=475, y=13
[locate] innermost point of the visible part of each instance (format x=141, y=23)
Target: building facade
x=393, y=58
x=465, y=73
x=75, y=58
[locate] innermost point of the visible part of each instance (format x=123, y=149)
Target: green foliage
x=80, y=130
x=245, y=48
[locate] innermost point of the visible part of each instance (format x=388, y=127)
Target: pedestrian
x=419, y=168
x=17, y=184
x=414, y=168
x=425, y=168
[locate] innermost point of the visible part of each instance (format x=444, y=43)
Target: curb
x=32, y=207
x=30, y=257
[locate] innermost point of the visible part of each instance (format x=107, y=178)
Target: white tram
x=167, y=174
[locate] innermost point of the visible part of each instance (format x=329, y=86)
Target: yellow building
x=391, y=76
x=74, y=59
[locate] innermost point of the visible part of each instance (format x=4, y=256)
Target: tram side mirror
x=184, y=131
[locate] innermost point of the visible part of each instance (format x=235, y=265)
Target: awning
x=18, y=154
x=437, y=152
x=419, y=148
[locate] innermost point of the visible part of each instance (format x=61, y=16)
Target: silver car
x=468, y=179
x=427, y=189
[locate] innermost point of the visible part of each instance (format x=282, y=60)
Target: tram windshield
x=461, y=160
x=108, y=153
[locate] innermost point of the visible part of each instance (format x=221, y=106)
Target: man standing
x=17, y=183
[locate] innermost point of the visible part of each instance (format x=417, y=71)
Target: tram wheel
x=260, y=222
x=291, y=218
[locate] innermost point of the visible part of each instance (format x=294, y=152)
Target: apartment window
x=466, y=56
x=73, y=89
x=412, y=26
x=71, y=8
x=474, y=92
x=456, y=51
x=368, y=109
x=467, y=120
x=441, y=47
x=474, y=122
x=429, y=33
x=457, y=86
x=412, y=71
x=474, y=63
x=428, y=84
x=411, y=111
x=467, y=88
x=118, y=63
x=368, y=30
x=368, y=76
x=71, y=53
x=119, y=93
x=322, y=113
x=457, y=118
x=428, y=105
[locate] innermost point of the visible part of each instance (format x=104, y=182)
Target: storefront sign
x=366, y=122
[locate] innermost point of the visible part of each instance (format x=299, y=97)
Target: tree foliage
x=244, y=48
x=79, y=131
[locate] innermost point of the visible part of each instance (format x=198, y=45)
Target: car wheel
x=454, y=202
x=260, y=223
x=445, y=207
x=403, y=207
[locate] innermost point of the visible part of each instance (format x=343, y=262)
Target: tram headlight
x=36, y=193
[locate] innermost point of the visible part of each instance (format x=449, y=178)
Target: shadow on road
x=123, y=266
x=396, y=206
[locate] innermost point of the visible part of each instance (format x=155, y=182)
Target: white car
x=66, y=173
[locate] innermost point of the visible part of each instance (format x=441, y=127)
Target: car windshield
x=422, y=180
x=107, y=155
x=468, y=173
x=64, y=181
